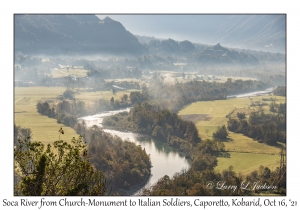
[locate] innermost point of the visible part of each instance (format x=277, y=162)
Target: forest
x=197, y=183
x=175, y=96
x=266, y=128
x=149, y=116
x=280, y=91
x=124, y=164
x=163, y=125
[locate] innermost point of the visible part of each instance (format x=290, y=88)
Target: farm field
x=90, y=97
x=245, y=163
x=63, y=72
x=45, y=129
x=176, y=76
x=123, y=80
x=246, y=154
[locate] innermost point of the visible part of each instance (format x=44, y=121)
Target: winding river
x=165, y=159
x=255, y=93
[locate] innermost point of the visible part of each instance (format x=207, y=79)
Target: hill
x=72, y=34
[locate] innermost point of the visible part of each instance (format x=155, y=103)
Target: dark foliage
x=21, y=133
x=68, y=94
x=44, y=109
x=280, y=91
x=267, y=128
x=221, y=133
x=125, y=165
x=241, y=115
x=209, y=183
x=61, y=169
x=160, y=124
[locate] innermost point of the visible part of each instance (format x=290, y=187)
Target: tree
x=241, y=115
x=20, y=133
x=68, y=94
x=112, y=102
x=221, y=133
x=60, y=169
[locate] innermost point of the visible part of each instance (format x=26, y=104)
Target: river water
x=165, y=159
x=255, y=93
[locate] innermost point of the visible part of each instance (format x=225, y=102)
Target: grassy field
x=90, y=97
x=58, y=73
x=246, y=154
x=124, y=80
x=176, y=76
x=245, y=163
x=45, y=129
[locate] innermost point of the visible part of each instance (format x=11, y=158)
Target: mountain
x=75, y=34
x=266, y=32
x=201, y=54
x=170, y=46
x=218, y=54
x=256, y=32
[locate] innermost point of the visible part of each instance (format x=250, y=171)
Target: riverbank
x=252, y=94
x=134, y=190
x=158, y=150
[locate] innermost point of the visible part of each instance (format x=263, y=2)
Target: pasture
x=246, y=154
x=90, y=97
x=45, y=129
x=245, y=163
x=64, y=72
x=178, y=76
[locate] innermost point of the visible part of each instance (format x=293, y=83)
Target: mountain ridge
x=73, y=33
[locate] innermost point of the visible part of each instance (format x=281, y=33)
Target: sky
x=178, y=27
x=233, y=30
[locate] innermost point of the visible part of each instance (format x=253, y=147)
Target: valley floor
x=243, y=153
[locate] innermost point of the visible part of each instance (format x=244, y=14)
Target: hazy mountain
x=76, y=34
x=265, y=32
x=170, y=46
x=87, y=34
x=218, y=54
x=215, y=54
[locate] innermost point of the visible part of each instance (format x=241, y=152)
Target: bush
x=221, y=133
x=68, y=94
x=241, y=115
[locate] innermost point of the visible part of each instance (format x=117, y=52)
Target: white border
x=154, y=6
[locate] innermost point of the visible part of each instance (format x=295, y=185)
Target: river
x=165, y=159
x=254, y=93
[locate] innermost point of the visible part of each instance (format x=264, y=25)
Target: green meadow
x=245, y=163
x=46, y=129
x=43, y=129
x=245, y=154
x=63, y=72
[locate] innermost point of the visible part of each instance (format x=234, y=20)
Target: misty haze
x=155, y=105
